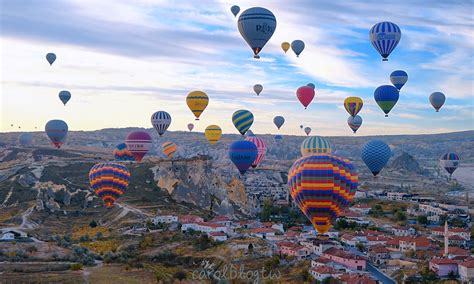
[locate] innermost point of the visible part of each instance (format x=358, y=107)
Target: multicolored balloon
x=169, y=149
x=386, y=97
x=322, y=186
x=307, y=130
x=243, y=153
x=25, y=138
x=285, y=46
x=51, y=57
x=450, y=162
x=305, y=95
x=235, y=10
x=437, y=100
x=353, y=105
x=257, y=88
x=213, y=133
x=375, y=155
x=197, y=102
x=64, y=96
x=121, y=153
x=315, y=145
x=56, y=130
x=109, y=181
x=384, y=37
x=190, y=127
x=354, y=122
x=243, y=120
x=313, y=86
x=399, y=78
x=278, y=121
x=261, y=149
x=161, y=120
x=256, y=25
x=297, y=46
x=138, y=143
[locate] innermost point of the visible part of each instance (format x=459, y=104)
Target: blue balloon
x=354, y=122
x=278, y=121
x=398, y=78
x=384, y=37
x=386, y=97
x=311, y=85
x=235, y=10
x=243, y=153
x=57, y=131
x=64, y=96
x=278, y=138
x=51, y=57
x=297, y=46
x=375, y=155
x=25, y=138
x=437, y=100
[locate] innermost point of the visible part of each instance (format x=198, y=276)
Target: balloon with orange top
x=109, y=181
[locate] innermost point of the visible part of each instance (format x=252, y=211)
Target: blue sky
x=124, y=60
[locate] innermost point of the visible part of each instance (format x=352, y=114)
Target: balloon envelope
x=305, y=95
x=197, y=102
x=213, y=133
x=121, y=153
x=256, y=25
x=257, y=88
x=138, y=143
x=384, y=37
x=109, y=181
x=450, y=162
x=235, y=10
x=51, y=57
x=354, y=122
x=190, y=126
x=353, y=105
x=375, y=155
x=437, y=100
x=64, y=96
x=398, y=78
x=261, y=149
x=322, y=186
x=161, y=120
x=297, y=46
x=307, y=130
x=278, y=138
x=169, y=149
x=315, y=145
x=386, y=97
x=243, y=153
x=25, y=138
x=57, y=131
x=278, y=121
x=285, y=46
x=243, y=120
x=311, y=85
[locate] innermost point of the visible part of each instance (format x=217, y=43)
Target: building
x=322, y=272
x=458, y=242
x=352, y=240
x=432, y=212
x=345, y=258
x=414, y=244
x=356, y=278
x=292, y=249
x=379, y=254
x=168, y=219
x=363, y=209
x=190, y=219
x=7, y=236
x=262, y=233
x=403, y=231
x=317, y=246
x=223, y=220
x=218, y=236
x=399, y=196
x=443, y=266
x=461, y=232
x=377, y=240
x=466, y=271
x=204, y=227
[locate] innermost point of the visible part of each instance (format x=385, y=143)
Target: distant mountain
x=406, y=162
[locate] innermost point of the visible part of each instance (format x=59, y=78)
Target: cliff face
x=406, y=162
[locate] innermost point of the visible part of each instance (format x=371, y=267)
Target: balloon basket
x=385, y=59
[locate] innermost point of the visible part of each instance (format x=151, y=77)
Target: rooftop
x=441, y=261
x=343, y=254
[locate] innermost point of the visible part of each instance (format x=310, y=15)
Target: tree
x=93, y=224
x=422, y=219
x=266, y=211
x=456, y=222
x=400, y=216
x=360, y=247
x=180, y=275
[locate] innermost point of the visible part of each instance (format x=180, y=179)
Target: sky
x=124, y=60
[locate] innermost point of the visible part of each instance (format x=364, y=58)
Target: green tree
x=422, y=219
x=360, y=247
x=266, y=211
x=93, y=224
x=400, y=216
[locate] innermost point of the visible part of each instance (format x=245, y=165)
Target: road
x=377, y=274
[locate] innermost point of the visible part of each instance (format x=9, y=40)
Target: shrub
x=76, y=266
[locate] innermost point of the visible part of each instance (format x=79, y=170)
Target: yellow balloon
x=213, y=133
x=197, y=102
x=285, y=46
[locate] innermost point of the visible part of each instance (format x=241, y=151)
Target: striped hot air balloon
x=450, y=162
x=385, y=36
x=399, y=78
x=243, y=120
x=213, y=133
x=315, y=145
x=256, y=25
x=161, y=120
x=243, y=153
x=121, y=153
x=56, y=130
x=353, y=105
x=169, y=149
x=261, y=148
x=386, y=97
x=109, y=181
x=138, y=143
x=354, y=122
x=197, y=102
x=375, y=155
x=322, y=186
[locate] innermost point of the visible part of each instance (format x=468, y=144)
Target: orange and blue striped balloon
x=109, y=181
x=169, y=149
x=322, y=186
x=121, y=153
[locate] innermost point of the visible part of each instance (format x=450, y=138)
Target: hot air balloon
x=301, y=126
x=161, y=120
x=51, y=57
x=25, y=138
x=353, y=105
x=437, y=100
x=278, y=138
x=138, y=143
x=285, y=46
x=375, y=155
x=57, y=131
x=243, y=153
x=121, y=153
x=278, y=121
x=386, y=97
x=213, y=133
x=190, y=127
x=235, y=10
x=197, y=102
x=311, y=85
x=257, y=88
x=256, y=25
x=354, y=122
x=315, y=145
x=385, y=37
x=342, y=153
x=169, y=148
x=305, y=95
x=450, y=162
x=322, y=186
x=307, y=130
x=398, y=78
x=243, y=120
x=261, y=149
x=109, y=181
x=64, y=96
x=297, y=46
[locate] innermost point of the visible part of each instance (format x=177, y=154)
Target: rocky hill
x=406, y=162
